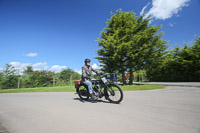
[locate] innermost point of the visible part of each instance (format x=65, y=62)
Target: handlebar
x=100, y=73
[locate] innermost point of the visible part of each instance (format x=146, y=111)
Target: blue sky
x=58, y=34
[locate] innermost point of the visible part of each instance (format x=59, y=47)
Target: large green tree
x=128, y=43
x=180, y=64
x=40, y=79
x=28, y=70
x=9, y=79
x=68, y=75
x=196, y=59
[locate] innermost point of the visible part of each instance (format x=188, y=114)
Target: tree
x=41, y=78
x=196, y=59
x=1, y=79
x=9, y=79
x=114, y=42
x=145, y=46
x=28, y=70
x=31, y=78
x=128, y=43
x=8, y=70
x=68, y=75
x=179, y=64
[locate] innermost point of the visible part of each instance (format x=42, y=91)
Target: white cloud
x=57, y=68
x=95, y=66
x=37, y=66
x=78, y=71
x=15, y=64
x=19, y=66
x=164, y=9
x=31, y=54
x=22, y=66
x=40, y=66
x=143, y=9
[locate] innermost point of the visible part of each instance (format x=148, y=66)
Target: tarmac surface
x=171, y=110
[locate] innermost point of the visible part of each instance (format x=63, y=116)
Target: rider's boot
x=93, y=97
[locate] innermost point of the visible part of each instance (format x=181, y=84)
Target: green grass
x=39, y=89
x=141, y=87
x=72, y=88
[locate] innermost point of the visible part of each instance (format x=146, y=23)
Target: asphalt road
x=171, y=110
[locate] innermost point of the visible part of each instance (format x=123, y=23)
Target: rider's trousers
x=89, y=84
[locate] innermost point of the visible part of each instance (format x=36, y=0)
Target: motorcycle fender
x=76, y=86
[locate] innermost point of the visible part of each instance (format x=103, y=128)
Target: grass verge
x=141, y=87
x=72, y=89
x=39, y=89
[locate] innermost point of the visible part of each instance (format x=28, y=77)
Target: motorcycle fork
x=105, y=91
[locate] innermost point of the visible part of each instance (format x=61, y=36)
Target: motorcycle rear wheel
x=83, y=92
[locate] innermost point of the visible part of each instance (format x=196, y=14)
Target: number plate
x=104, y=80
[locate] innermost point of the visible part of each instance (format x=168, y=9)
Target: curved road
x=171, y=110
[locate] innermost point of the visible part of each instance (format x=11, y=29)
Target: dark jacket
x=87, y=72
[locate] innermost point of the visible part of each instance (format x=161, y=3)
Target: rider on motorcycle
x=86, y=77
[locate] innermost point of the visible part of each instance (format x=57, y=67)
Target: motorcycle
x=102, y=88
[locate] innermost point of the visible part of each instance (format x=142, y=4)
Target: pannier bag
x=77, y=83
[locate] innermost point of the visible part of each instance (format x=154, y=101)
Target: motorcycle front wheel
x=114, y=93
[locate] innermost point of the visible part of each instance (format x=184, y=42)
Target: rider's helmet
x=87, y=60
